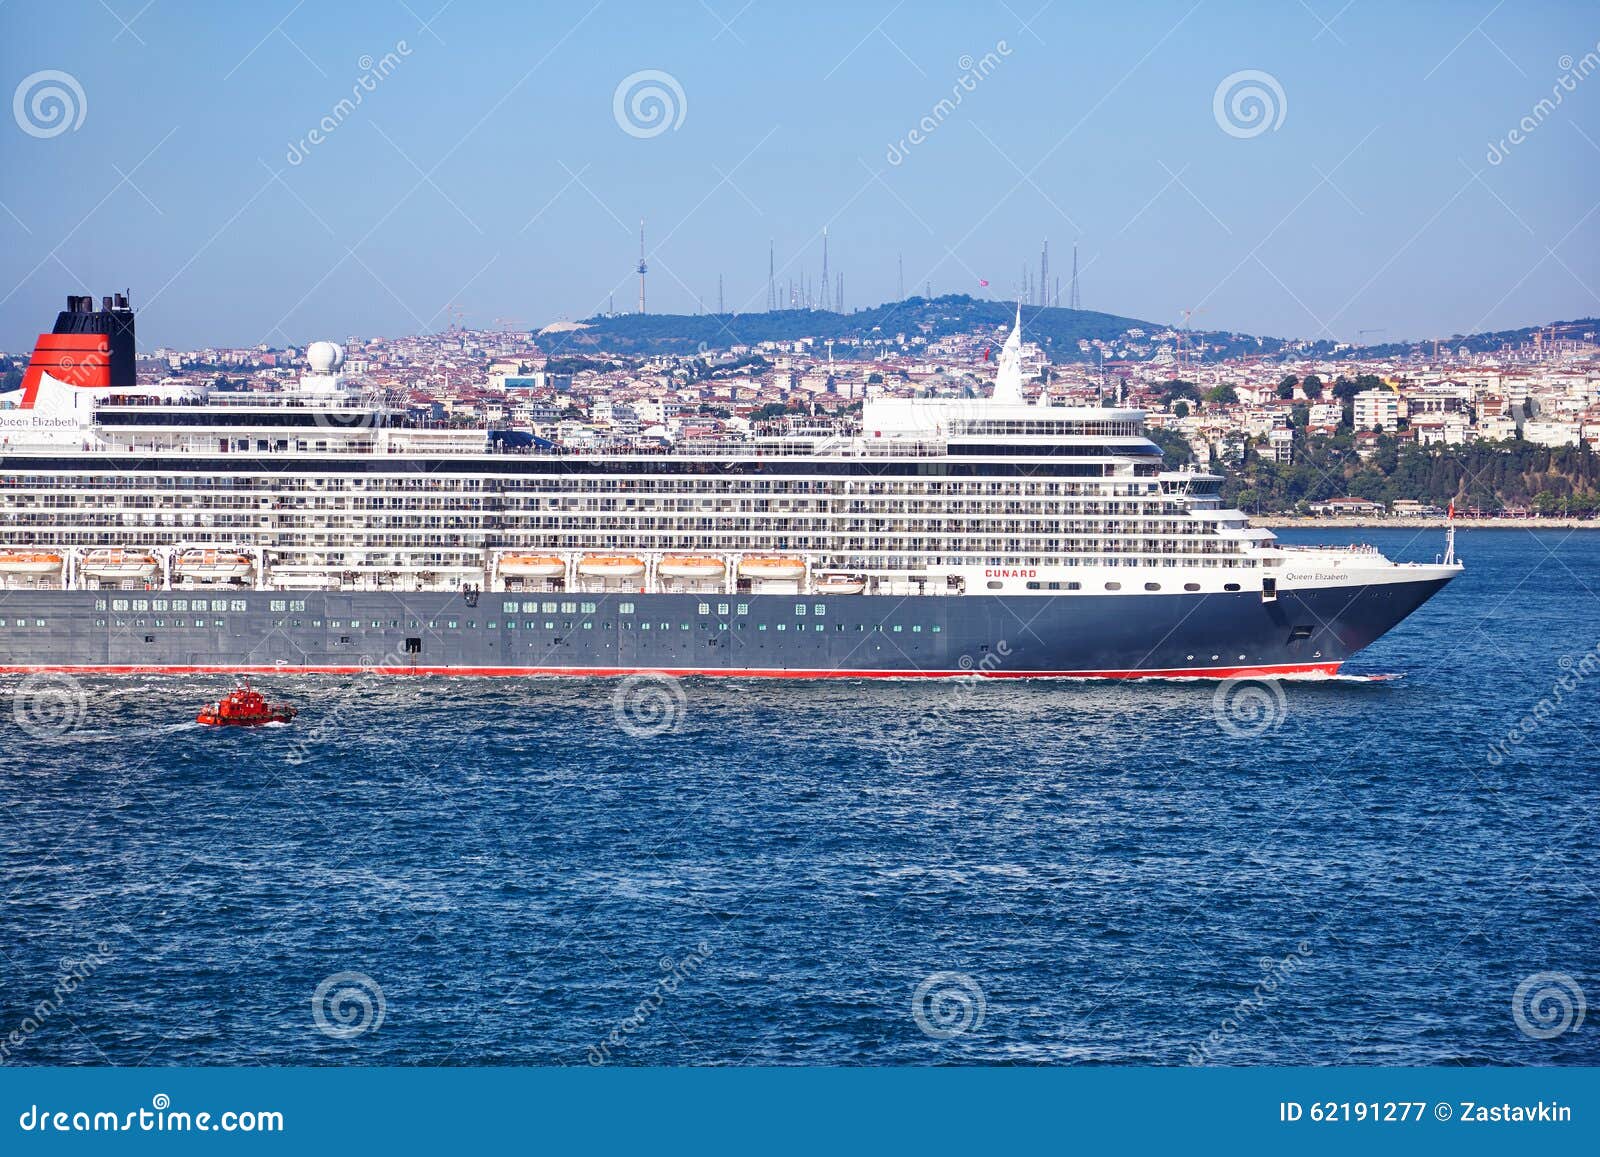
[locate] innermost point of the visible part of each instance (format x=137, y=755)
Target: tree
x=1286, y=387
x=1181, y=409
x=1222, y=396
x=1312, y=386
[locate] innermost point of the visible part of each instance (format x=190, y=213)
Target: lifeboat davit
x=780, y=567
x=612, y=566
x=213, y=566
x=119, y=564
x=28, y=562
x=841, y=584
x=532, y=566
x=244, y=707
x=691, y=566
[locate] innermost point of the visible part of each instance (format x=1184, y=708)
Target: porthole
x=1113, y=586
x=1191, y=586
x=1152, y=586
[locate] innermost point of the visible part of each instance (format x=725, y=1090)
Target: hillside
x=1057, y=330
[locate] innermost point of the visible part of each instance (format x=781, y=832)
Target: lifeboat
x=611, y=566
x=28, y=562
x=772, y=567
x=214, y=566
x=532, y=566
x=841, y=584
x=244, y=707
x=119, y=564
x=690, y=566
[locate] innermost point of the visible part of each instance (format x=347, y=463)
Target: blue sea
x=859, y=872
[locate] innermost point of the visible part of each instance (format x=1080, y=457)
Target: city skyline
x=277, y=177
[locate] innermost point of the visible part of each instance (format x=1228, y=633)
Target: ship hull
x=1084, y=636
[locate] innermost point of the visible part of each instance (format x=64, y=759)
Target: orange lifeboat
x=780, y=567
x=611, y=566
x=532, y=566
x=841, y=584
x=244, y=707
x=119, y=564
x=28, y=562
x=214, y=566
x=691, y=566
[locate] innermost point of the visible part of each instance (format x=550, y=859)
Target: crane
x=510, y=323
x=1183, y=335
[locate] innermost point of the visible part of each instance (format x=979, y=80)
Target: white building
x=1377, y=408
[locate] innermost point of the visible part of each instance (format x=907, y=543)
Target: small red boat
x=244, y=707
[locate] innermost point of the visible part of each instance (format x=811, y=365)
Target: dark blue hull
x=816, y=636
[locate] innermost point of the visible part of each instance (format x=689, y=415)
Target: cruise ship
x=322, y=528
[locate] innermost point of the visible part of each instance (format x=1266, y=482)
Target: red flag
x=1452, y=513
x=985, y=353
x=983, y=283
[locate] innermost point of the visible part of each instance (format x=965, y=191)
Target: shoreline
x=1290, y=522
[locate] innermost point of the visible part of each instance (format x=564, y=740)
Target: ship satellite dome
x=324, y=357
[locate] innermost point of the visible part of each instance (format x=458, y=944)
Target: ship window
x=898, y=628
x=935, y=629
x=799, y=608
x=197, y=622
x=783, y=626
x=490, y=625
x=761, y=626
x=549, y=626
x=158, y=605
x=683, y=626
x=744, y=608
x=625, y=608
x=916, y=630
x=100, y=604
x=97, y=622
x=177, y=605
x=511, y=624
x=703, y=609
x=995, y=585
x=149, y=638
x=644, y=626
x=218, y=623
x=344, y=640
x=588, y=626
x=278, y=605
x=141, y=604
x=451, y=624
x=569, y=608
x=1191, y=586
x=1113, y=586
x=297, y=604
x=218, y=604
x=510, y=606
x=545, y=608
x=1301, y=632
x=136, y=622
x=119, y=604
x=1230, y=586
x=588, y=608
x=1152, y=586
x=819, y=609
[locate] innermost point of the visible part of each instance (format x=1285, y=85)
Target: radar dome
x=324, y=357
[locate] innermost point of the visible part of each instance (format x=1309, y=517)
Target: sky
x=1386, y=173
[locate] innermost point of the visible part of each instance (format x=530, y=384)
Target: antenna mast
x=642, y=266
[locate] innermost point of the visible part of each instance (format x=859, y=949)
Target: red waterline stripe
x=606, y=672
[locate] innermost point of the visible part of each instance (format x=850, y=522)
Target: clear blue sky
x=488, y=169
